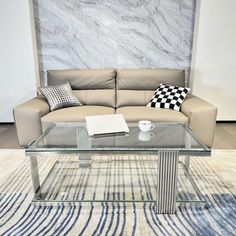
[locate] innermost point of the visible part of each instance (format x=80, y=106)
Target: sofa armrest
x=28, y=119
x=202, y=117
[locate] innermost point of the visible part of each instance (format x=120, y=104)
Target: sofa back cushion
x=92, y=87
x=135, y=87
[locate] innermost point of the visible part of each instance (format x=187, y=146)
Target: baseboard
x=226, y=121
x=7, y=123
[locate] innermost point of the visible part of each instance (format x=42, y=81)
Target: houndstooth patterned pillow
x=168, y=96
x=59, y=96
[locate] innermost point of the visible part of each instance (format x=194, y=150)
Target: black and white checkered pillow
x=59, y=96
x=168, y=96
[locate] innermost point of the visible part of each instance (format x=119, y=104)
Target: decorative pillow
x=59, y=96
x=168, y=96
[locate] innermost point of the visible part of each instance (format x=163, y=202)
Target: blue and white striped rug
x=19, y=217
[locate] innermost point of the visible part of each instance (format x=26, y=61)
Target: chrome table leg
x=34, y=174
x=167, y=176
x=186, y=165
x=188, y=145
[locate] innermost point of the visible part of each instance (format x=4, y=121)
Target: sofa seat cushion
x=136, y=113
x=74, y=114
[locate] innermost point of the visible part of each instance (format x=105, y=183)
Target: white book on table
x=106, y=124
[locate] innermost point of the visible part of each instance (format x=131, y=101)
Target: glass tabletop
x=73, y=137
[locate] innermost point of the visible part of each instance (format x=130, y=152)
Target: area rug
x=215, y=177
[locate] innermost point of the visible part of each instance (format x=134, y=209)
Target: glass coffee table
x=135, y=167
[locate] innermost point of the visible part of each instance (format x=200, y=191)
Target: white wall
x=18, y=56
x=213, y=75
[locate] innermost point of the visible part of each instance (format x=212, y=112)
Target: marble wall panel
x=114, y=33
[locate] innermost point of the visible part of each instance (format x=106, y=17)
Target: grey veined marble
x=114, y=33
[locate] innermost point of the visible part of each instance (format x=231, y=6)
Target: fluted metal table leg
x=167, y=176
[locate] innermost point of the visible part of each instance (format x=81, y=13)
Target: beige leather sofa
x=115, y=91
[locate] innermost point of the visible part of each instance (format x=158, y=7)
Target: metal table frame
x=167, y=169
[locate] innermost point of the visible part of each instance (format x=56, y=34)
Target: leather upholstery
x=100, y=91
x=92, y=87
x=27, y=119
x=136, y=87
x=136, y=113
x=202, y=117
x=148, y=79
x=98, y=97
x=83, y=79
x=74, y=114
x=133, y=97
